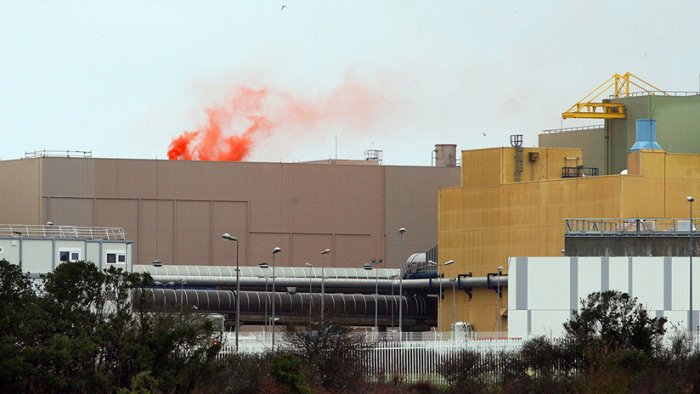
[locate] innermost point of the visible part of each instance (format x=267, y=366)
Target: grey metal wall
x=677, y=127
x=591, y=142
x=176, y=211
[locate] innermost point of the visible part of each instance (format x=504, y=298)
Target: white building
x=39, y=249
x=542, y=291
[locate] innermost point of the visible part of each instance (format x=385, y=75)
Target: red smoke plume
x=250, y=115
x=209, y=143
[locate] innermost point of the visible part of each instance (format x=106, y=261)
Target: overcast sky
x=123, y=79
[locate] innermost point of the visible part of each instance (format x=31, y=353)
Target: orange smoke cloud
x=210, y=143
x=249, y=115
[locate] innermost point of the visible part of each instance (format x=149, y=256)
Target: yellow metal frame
x=586, y=108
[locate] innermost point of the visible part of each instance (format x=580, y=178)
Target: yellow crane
x=586, y=108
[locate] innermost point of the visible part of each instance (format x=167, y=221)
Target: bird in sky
x=283, y=7
x=484, y=134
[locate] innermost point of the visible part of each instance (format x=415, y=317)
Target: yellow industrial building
x=512, y=202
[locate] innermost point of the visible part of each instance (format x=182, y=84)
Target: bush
x=333, y=355
x=286, y=369
x=467, y=372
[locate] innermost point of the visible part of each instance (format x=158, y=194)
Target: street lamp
x=238, y=287
x=311, y=300
x=369, y=267
x=183, y=282
x=690, y=262
x=164, y=285
x=323, y=279
x=440, y=299
x=498, y=313
x=274, y=252
x=454, y=302
x=267, y=296
x=401, y=265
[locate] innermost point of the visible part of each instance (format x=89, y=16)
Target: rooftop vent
x=646, y=135
x=374, y=155
x=516, y=140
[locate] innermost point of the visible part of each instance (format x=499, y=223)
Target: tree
x=75, y=332
x=615, y=321
x=333, y=355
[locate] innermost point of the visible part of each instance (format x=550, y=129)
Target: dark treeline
x=75, y=331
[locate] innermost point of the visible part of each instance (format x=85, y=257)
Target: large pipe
x=290, y=306
x=367, y=285
x=287, y=272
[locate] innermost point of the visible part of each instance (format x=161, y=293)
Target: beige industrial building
x=176, y=211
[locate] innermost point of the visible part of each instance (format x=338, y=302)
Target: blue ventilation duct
x=646, y=135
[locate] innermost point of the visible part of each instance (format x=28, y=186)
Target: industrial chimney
x=445, y=155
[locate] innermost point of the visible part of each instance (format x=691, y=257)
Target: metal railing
x=411, y=361
x=656, y=93
x=85, y=154
x=634, y=226
x=73, y=232
x=578, y=171
x=580, y=128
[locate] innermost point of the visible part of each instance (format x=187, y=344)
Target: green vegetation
x=75, y=331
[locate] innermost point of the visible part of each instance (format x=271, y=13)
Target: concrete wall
x=176, y=211
x=484, y=222
x=544, y=290
x=20, y=191
x=591, y=142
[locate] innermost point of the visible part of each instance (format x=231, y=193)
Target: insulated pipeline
x=297, y=304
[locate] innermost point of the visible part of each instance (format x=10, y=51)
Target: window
x=69, y=255
x=116, y=257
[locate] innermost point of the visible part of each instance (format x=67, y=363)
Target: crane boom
x=586, y=108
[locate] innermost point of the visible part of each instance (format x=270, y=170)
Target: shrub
x=286, y=369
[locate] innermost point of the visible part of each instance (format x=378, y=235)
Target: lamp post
x=323, y=279
x=311, y=300
x=440, y=299
x=265, y=266
x=454, y=301
x=498, y=312
x=369, y=267
x=401, y=266
x=157, y=283
x=392, y=301
x=274, y=252
x=238, y=287
x=690, y=262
